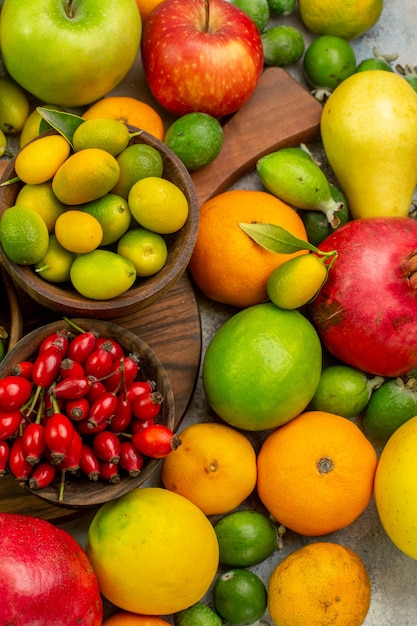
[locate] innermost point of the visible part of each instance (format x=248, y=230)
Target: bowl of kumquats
x=97, y=219
x=93, y=411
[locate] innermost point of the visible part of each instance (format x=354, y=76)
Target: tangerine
x=226, y=264
x=316, y=473
x=126, y=618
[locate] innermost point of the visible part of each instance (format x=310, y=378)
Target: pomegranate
x=366, y=313
x=45, y=576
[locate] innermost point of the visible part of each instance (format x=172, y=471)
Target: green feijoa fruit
x=198, y=614
x=196, y=138
x=258, y=11
x=245, y=538
x=390, y=406
x=239, y=597
x=328, y=61
x=282, y=7
x=316, y=223
x=373, y=64
x=282, y=45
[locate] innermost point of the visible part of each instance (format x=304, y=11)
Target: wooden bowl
x=10, y=314
x=79, y=491
x=63, y=299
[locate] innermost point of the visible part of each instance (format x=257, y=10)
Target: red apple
x=201, y=55
x=45, y=576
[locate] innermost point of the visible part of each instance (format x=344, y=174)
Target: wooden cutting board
x=280, y=113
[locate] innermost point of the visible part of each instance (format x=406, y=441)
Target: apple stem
x=207, y=12
x=68, y=8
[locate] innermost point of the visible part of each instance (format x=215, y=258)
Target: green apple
x=69, y=52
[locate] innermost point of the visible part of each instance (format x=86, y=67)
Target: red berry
x=102, y=409
x=109, y=472
x=46, y=367
x=78, y=409
x=147, y=406
x=24, y=369
x=71, y=388
x=106, y=445
x=131, y=460
x=19, y=467
x=89, y=463
x=14, y=392
x=71, y=460
x=42, y=475
x=71, y=369
x=58, y=340
x=156, y=441
x=33, y=442
x=99, y=363
x=112, y=346
x=123, y=415
x=4, y=457
x=82, y=346
x=9, y=423
x=58, y=436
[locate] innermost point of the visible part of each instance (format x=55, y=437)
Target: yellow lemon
x=14, y=106
x=41, y=199
x=159, y=205
x=342, y=18
x=154, y=551
x=85, y=176
x=30, y=128
x=39, y=160
x=105, y=133
x=297, y=281
x=78, y=232
x=102, y=274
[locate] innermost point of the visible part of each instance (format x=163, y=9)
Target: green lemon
x=282, y=7
x=14, y=106
x=343, y=390
x=198, y=614
x=196, y=139
x=295, y=282
x=136, y=162
x=258, y=11
x=55, y=265
x=147, y=250
x=239, y=597
x=3, y=143
x=316, y=223
x=23, y=235
x=113, y=213
x=108, y=134
x=390, y=406
x=328, y=61
x=262, y=367
x=245, y=538
x=282, y=45
x=102, y=274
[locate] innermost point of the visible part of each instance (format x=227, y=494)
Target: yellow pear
x=369, y=134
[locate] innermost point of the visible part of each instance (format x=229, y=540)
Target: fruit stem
x=68, y=8
x=207, y=15
x=330, y=208
x=74, y=325
x=61, y=486
x=10, y=181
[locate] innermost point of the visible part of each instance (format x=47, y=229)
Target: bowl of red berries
x=90, y=412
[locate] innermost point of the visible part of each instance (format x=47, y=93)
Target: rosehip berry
x=58, y=436
x=4, y=457
x=138, y=388
x=123, y=415
x=78, y=409
x=71, y=460
x=112, y=346
x=71, y=388
x=89, y=463
x=82, y=346
x=46, y=367
x=147, y=406
x=109, y=472
x=33, y=442
x=14, y=392
x=137, y=425
x=23, y=369
x=96, y=390
x=58, y=340
x=19, y=467
x=9, y=423
x=71, y=369
x=131, y=460
x=102, y=409
x=99, y=363
x=156, y=441
x=42, y=475
x=106, y=445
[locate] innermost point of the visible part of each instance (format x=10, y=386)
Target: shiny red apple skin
x=45, y=576
x=190, y=69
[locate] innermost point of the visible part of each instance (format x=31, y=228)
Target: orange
x=125, y=618
x=214, y=467
x=130, y=111
x=316, y=473
x=320, y=584
x=146, y=7
x=227, y=265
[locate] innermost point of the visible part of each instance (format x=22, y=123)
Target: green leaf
x=64, y=123
x=276, y=239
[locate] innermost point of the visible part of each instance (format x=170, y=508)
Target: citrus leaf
x=64, y=123
x=276, y=239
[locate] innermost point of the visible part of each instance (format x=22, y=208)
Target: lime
x=23, y=235
x=262, y=367
x=282, y=7
x=14, y=106
x=390, y=406
x=31, y=128
x=106, y=133
x=373, y=64
x=198, y=614
x=245, y=538
x=3, y=143
x=136, y=162
x=159, y=205
x=239, y=596
x=258, y=11
x=343, y=390
x=295, y=283
x=316, y=223
x=282, y=45
x=55, y=265
x=196, y=139
x=328, y=61
x=102, y=274
x=113, y=213
x=41, y=199
x=147, y=250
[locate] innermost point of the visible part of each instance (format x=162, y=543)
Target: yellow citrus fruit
x=296, y=282
x=14, y=106
x=130, y=111
x=105, y=133
x=226, y=264
x=146, y=7
x=316, y=473
x=343, y=18
x=30, y=128
x=23, y=235
x=154, y=551
x=320, y=584
x=147, y=250
x=55, y=265
x=39, y=160
x=113, y=213
x=102, y=274
x=125, y=618
x=214, y=467
x=41, y=199
x=78, y=232
x=85, y=176
x=136, y=162
x=158, y=205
